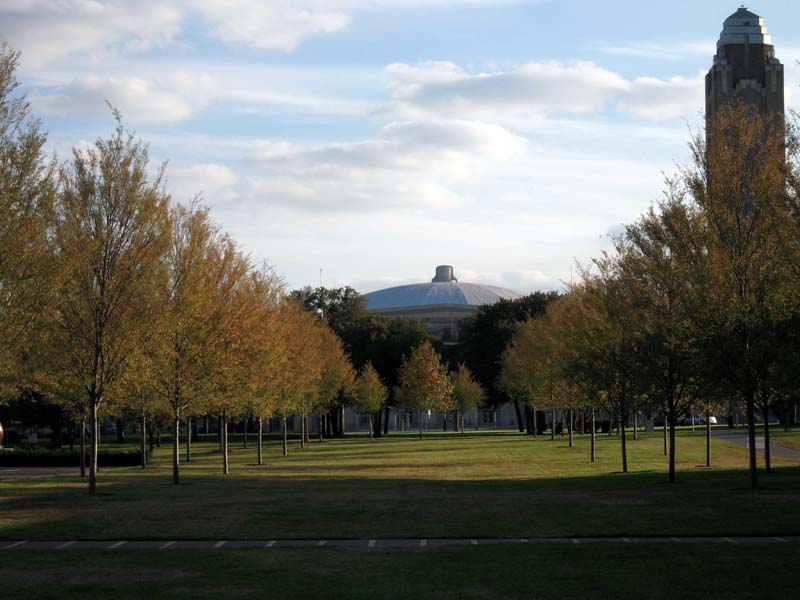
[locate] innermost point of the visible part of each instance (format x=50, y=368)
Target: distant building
x=745, y=67
x=440, y=304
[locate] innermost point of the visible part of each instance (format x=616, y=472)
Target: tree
x=656, y=258
x=367, y=337
x=337, y=376
x=609, y=353
x=483, y=338
x=185, y=327
x=267, y=357
x=370, y=393
x=27, y=194
x=112, y=233
x=423, y=381
x=746, y=278
x=226, y=356
x=468, y=394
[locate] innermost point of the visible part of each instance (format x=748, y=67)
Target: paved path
x=121, y=545
x=775, y=450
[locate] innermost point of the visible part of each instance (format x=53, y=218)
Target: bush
x=64, y=457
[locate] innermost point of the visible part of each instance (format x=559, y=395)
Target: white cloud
x=410, y=164
x=139, y=100
x=48, y=31
x=54, y=30
x=649, y=50
x=535, y=89
x=215, y=183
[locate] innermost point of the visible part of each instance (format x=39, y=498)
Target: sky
x=376, y=139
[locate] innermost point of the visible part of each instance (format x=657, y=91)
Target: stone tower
x=745, y=67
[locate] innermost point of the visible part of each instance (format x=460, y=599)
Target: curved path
x=775, y=450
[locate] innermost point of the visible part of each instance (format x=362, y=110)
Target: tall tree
x=483, y=338
x=370, y=393
x=423, y=381
x=657, y=258
x=468, y=394
x=746, y=282
x=112, y=233
x=27, y=194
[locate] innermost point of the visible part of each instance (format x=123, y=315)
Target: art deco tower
x=745, y=67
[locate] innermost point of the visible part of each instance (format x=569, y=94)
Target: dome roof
x=444, y=290
x=743, y=27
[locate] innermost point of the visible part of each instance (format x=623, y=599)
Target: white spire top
x=743, y=27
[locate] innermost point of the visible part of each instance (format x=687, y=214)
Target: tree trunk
x=120, y=431
x=553, y=423
x=444, y=422
x=708, y=437
x=519, y=415
x=188, y=439
x=225, y=463
x=260, y=442
x=462, y=422
x=302, y=430
x=83, y=445
x=750, y=406
x=571, y=435
x=143, y=443
x=535, y=422
x=320, y=426
x=158, y=438
x=672, y=418
x=283, y=427
x=767, y=458
x=176, y=440
x=624, y=443
x=341, y=420
x=95, y=426
x=593, y=437
x=419, y=415
x=370, y=422
x=563, y=423
x=635, y=424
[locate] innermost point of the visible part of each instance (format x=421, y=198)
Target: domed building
x=440, y=304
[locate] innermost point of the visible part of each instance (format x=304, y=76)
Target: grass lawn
x=482, y=485
x=601, y=570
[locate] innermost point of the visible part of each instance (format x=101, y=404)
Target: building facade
x=745, y=67
x=440, y=304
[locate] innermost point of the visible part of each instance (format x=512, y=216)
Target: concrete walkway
x=775, y=450
x=121, y=545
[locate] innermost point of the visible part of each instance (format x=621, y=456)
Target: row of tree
x=120, y=302
x=112, y=293
x=698, y=304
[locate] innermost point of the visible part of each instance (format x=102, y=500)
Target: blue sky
x=377, y=138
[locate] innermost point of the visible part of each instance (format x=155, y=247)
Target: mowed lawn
x=482, y=485
x=686, y=571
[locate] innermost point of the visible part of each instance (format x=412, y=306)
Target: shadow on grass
x=211, y=506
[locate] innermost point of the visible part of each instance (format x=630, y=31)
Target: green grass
x=482, y=485
x=602, y=570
